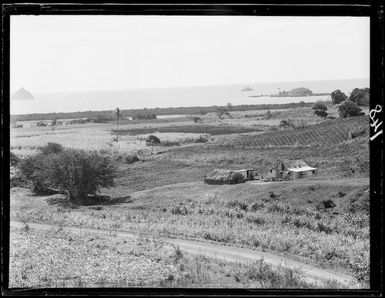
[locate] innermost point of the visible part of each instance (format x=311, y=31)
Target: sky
x=85, y=53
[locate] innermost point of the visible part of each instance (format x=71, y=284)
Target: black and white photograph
x=190, y=151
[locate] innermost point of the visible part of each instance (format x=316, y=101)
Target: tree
x=320, y=109
x=51, y=148
x=349, y=109
x=53, y=123
x=74, y=171
x=268, y=115
x=222, y=112
x=338, y=96
x=152, y=141
x=283, y=124
x=229, y=107
x=361, y=97
x=79, y=173
x=32, y=169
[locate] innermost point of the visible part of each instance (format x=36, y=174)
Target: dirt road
x=228, y=253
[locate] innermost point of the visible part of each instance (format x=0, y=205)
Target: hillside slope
x=326, y=133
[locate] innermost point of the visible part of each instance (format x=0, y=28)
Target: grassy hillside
x=324, y=222
x=326, y=133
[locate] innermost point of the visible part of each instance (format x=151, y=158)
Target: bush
x=51, y=148
x=201, y=139
x=268, y=115
x=144, y=116
x=129, y=159
x=170, y=143
x=196, y=119
x=326, y=204
x=13, y=159
x=283, y=123
x=349, y=109
x=75, y=171
x=321, y=114
x=102, y=119
x=32, y=169
x=152, y=140
x=320, y=109
x=338, y=97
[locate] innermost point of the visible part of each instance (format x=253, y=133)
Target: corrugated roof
x=294, y=165
x=301, y=169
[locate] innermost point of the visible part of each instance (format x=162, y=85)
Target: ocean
x=177, y=96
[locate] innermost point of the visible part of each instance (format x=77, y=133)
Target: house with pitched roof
x=291, y=170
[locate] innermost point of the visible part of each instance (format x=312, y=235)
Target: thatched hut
x=220, y=176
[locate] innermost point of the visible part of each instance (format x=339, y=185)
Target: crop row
x=327, y=133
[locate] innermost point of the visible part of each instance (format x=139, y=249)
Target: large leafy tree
x=349, y=109
x=361, y=97
x=77, y=172
x=338, y=96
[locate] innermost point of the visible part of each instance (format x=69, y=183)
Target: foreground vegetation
x=324, y=222
x=46, y=259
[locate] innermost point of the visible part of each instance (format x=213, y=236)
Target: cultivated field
x=322, y=221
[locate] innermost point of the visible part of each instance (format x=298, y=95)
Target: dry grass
x=46, y=260
x=286, y=218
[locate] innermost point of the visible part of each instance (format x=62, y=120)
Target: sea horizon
x=187, y=96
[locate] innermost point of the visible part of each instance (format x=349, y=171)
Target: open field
x=197, y=128
x=322, y=221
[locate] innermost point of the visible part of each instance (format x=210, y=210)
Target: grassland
x=323, y=221
x=46, y=259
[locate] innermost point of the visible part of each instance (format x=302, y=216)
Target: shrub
x=129, y=159
x=349, y=109
x=338, y=97
x=170, y=143
x=41, y=123
x=144, y=116
x=320, y=109
x=102, y=119
x=152, y=140
x=196, y=119
x=237, y=204
x=326, y=204
x=268, y=115
x=13, y=159
x=201, y=139
x=321, y=114
x=51, y=148
x=283, y=123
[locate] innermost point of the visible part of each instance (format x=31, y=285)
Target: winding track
x=228, y=253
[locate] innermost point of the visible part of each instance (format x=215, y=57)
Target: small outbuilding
x=220, y=176
x=248, y=174
x=291, y=170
